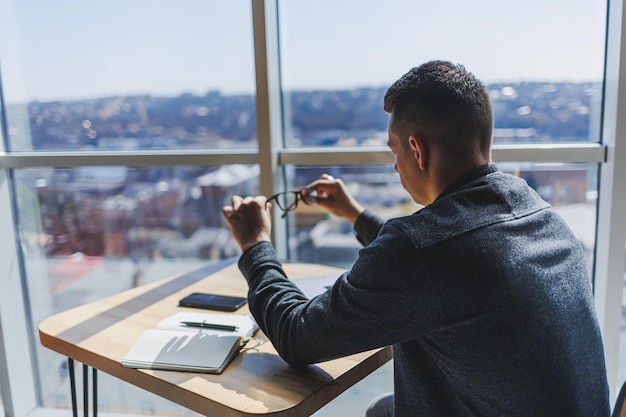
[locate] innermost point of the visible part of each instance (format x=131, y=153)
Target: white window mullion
x=138, y=158
x=269, y=108
x=552, y=153
x=611, y=230
x=17, y=371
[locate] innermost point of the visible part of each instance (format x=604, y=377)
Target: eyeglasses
x=288, y=200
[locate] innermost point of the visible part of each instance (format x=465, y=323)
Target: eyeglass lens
x=288, y=200
x=309, y=195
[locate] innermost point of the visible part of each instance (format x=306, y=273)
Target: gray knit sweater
x=484, y=295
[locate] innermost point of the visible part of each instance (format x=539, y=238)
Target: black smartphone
x=212, y=301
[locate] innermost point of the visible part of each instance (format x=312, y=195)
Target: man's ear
x=420, y=151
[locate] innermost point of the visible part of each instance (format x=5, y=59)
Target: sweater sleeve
x=367, y=227
x=360, y=312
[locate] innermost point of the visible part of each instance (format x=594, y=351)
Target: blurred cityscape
x=524, y=112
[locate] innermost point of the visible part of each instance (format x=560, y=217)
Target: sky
x=72, y=49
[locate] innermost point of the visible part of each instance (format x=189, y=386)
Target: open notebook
x=208, y=343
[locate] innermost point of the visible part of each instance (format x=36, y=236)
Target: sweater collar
x=469, y=176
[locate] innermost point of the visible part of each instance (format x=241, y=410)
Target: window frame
x=611, y=221
x=19, y=387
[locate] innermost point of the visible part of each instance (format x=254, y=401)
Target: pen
x=203, y=325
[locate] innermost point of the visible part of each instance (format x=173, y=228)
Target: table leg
x=95, y=391
x=85, y=391
x=70, y=365
x=94, y=376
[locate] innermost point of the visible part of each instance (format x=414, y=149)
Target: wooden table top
x=257, y=382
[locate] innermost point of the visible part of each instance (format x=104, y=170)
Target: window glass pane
x=90, y=232
x=316, y=236
x=543, y=64
x=145, y=74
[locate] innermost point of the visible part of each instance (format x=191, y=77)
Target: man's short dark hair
x=444, y=104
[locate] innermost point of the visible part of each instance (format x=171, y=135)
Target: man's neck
x=447, y=172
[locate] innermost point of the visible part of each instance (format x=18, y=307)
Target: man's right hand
x=335, y=197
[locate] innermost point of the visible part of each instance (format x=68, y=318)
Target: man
x=483, y=293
